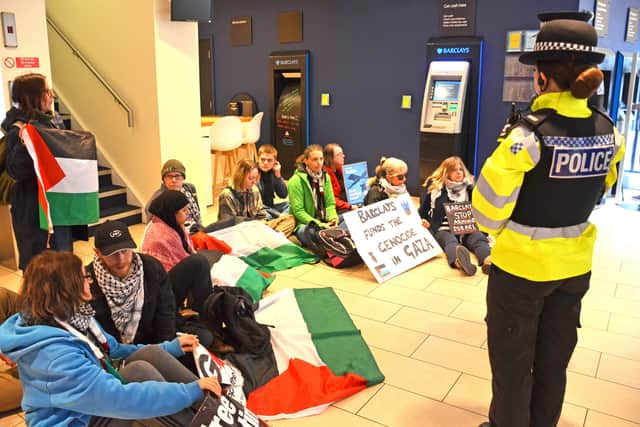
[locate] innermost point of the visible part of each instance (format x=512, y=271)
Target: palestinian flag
x=321, y=356
x=66, y=165
x=230, y=270
x=264, y=248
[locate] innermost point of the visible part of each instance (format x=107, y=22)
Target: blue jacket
x=64, y=384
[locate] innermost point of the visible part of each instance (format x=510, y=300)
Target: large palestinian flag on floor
x=263, y=248
x=321, y=356
x=66, y=165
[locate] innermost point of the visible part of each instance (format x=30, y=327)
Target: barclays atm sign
x=453, y=50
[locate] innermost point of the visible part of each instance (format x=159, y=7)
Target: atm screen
x=445, y=90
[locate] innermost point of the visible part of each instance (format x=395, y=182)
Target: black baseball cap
x=113, y=236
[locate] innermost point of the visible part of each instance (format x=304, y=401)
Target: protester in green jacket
x=310, y=194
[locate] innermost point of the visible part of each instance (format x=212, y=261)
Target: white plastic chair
x=226, y=138
x=251, y=135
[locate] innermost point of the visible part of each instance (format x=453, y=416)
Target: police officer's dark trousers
x=532, y=331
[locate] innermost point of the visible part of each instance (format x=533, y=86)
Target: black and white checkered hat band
x=569, y=47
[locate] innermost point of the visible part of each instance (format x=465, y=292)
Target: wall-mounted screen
x=192, y=10
x=445, y=90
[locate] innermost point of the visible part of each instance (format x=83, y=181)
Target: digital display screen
x=445, y=90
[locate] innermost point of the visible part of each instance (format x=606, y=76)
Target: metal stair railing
x=118, y=99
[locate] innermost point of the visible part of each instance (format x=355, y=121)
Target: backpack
x=229, y=311
x=6, y=181
x=333, y=245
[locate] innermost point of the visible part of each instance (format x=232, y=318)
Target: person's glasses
x=401, y=176
x=175, y=176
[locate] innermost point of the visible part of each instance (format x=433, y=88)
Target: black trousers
x=532, y=331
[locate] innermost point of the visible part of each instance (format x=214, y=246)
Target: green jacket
x=301, y=200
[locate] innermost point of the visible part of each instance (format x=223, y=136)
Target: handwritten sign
x=355, y=182
x=390, y=237
x=460, y=217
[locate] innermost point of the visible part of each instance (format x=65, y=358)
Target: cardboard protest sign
x=460, y=217
x=224, y=412
x=355, y=182
x=390, y=237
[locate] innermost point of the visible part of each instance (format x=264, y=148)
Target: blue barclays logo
x=453, y=50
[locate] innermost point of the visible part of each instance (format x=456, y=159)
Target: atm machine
x=451, y=102
x=289, y=83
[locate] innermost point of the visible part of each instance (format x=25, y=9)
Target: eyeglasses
x=401, y=176
x=176, y=176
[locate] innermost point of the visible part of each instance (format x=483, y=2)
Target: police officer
x=535, y=194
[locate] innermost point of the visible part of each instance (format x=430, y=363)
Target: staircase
x=112, y=197
x=113, y=202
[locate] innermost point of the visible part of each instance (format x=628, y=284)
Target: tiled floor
x=426, y=331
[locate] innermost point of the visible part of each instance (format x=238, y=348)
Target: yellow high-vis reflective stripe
x=612, y=176
x=544, y=260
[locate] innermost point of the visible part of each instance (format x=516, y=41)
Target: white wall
x=152, y=63
x=31, y=30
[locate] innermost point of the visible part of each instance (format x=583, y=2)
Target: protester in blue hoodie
x=67, y=362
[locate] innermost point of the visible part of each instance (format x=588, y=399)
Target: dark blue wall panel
x=366, y=54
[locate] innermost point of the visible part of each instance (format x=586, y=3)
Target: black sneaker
x=463, y=261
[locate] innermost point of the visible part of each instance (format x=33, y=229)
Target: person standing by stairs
x=34, y=99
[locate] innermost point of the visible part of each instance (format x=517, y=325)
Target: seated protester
x=452, y=182
x=271, y=182
x=66, y=360
x=391, y=175
x=132, y=294
x=9, y=380
x=173, y=175
x=242, y=198
x=333, y=163
x=166, y=239
x=311, y=195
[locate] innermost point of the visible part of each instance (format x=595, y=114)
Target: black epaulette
x=603, y=114
x=531, y=120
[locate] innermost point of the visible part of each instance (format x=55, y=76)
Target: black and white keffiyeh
x=316, y=180
x=81, y=318
x=125, y=296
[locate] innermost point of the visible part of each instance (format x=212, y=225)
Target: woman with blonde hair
x=68, y=363
x=451, y=182
x=390, y=180
x=242, y=198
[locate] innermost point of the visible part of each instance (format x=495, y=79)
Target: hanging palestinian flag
x=66, y=165
x=320, y=355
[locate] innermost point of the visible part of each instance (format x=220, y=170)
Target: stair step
x=130, y=215
x=112, y=190
x=104, y=177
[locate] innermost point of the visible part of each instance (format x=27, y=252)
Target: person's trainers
x=463, y=261
x=486, y=265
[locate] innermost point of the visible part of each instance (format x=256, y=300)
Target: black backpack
x=229, y=311
x=333, y=245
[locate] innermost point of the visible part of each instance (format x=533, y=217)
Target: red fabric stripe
x=300, y=387
x=49, y=171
